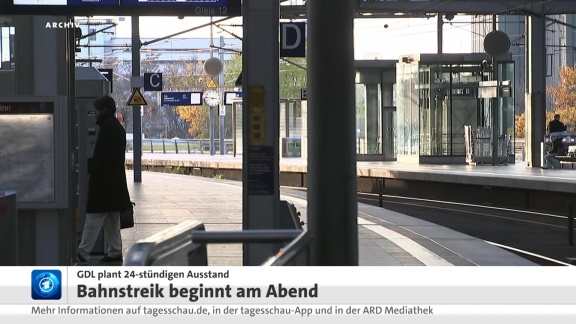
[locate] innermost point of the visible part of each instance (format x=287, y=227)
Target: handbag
x=127, y=217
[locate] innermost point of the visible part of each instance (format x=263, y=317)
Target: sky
x=372, y=39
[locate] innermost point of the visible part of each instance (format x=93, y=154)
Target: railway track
x=540, y=237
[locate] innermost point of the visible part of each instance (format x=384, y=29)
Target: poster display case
x=31, y=150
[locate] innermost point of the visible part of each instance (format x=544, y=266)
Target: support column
x=372, y=118
x=495, y=103
x=440, y=33
x=44, y=233
x=222, y=122
x=137, y=110
x=260, y=123
x=212, y=129
x=535, y=89
x=494, y=110
x=388, y=94
x=332, y=203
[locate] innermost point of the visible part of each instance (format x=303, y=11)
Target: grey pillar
x=440, y=33
x=495, y=102
x=136, y=111
x=387, y=94
x=24, y=48
x=45, y=235
x=494, y=110
x=221, y=85
x=260, y=156
x=73, y=149
x=212, y=118
x=332, y=203
x=211, y=130
x=372, y=118
x=535, y=89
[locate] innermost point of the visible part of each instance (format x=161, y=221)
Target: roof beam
x=420, y=8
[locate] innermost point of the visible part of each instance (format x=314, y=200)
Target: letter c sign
x=152, y=81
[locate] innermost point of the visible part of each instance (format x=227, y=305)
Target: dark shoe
x=80, y=258
x=108, y=258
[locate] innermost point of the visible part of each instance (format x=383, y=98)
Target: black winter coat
x=107, y=187
x=555, y=126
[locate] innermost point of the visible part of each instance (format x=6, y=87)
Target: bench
x=565, y=159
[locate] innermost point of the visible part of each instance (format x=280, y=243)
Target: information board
x=27, y=150
x=181, y=98
x=66, y=2
x=223, y=8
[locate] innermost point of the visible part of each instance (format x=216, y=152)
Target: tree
x=520, y=123
x=189, y=76
x=232, y=69
x=564, y=96
x=292, y=77
x=121, y=87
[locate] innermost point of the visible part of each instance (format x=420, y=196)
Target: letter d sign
x=293, y=39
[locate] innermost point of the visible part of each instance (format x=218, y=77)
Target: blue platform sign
x=231, y=96
x=221, y=8
x=181, y=98
x=197, y=7
x=173, y=2
x=93, y=2
x=67, y=2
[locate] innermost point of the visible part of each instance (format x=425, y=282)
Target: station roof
x=363, y=8
x=420, y=8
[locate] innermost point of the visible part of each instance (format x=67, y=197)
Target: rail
x=186, y=243
x=245, y=236
x=170, y=247
x=180, y=146
x=297, y=253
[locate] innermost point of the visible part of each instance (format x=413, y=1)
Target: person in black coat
x=107, y=187
x=555, y=125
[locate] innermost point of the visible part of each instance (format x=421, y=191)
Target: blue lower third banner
x=181, y=98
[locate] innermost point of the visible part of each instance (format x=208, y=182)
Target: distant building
x=560, y=47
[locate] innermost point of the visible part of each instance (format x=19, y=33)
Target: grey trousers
x=92, y=225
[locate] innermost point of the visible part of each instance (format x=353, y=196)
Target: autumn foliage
x=564, y=96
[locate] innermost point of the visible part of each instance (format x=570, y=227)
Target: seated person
x=556, y=126
x=551, y=162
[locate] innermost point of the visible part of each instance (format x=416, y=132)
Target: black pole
x=332, y=201
x=571, y=222
x=380, y=189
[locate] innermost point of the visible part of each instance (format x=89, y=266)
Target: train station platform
x=512, y=175
x=386, y=238
x=512, y=185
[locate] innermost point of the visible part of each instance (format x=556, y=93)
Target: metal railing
x=171, y=247
x=297, y=253
x=180, y=146
x=245, y=236
x=186, y=243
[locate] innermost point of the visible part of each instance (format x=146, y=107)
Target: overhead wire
x=486, y=19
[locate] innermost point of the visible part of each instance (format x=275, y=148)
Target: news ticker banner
x=303, y=292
